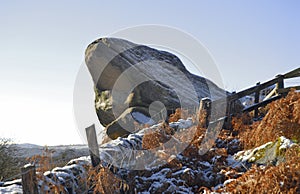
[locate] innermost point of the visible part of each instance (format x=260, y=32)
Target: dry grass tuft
x=43, y=162
x=157, y=137
x=179, y=114
x=106, y=182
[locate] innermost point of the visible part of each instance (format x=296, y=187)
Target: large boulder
x=138, y=84
x=271, y=152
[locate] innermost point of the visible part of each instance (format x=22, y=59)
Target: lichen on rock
x=271, y=152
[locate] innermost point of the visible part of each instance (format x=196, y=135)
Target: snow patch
x=141, y=118
x=12, y=189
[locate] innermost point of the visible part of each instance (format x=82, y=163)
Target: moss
x=261, y=153
x=97, y=97
x=295, y=139
x=102, y=100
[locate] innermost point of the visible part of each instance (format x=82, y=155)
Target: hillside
x=28, y=150
x=252, y=157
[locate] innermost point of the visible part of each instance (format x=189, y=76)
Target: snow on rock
x=269, y=152
x=165, y=80
x=70, y=178
x=182, y=174
x=12, y=189
x=205, y=171
x=124, y=152
x=14, y=186
x=141, y=118
x=182, y=124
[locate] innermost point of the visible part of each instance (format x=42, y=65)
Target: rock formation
x=136, y=83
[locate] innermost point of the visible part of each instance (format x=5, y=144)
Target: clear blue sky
x=42, y=45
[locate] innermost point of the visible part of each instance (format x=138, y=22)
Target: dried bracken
x=214, y=171
x=105, y=181
x=282, y=119
x=284, y=178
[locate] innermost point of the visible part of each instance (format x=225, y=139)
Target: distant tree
x=8, y=162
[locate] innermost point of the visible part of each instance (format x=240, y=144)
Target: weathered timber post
x=256, y=100
x=280, y=83
x=29, y=182
x=205, y=105
x=93, y=145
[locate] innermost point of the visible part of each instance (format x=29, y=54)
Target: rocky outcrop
x=136, y=83
x=271, y=152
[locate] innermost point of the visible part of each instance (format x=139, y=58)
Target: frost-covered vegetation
x=253, y=156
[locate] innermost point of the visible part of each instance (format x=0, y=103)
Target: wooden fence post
x=29, y=182
x=93, y=145
x=205, y=104
x=256, y=100
x=280, y=83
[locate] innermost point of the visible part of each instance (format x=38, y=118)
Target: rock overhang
x=134, y=76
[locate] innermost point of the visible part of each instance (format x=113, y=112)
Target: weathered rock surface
x=271, y=152
x=131, y=78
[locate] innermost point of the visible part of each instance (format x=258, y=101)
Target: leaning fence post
x=205, y=104
x=93, y=145
x=29, y=182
